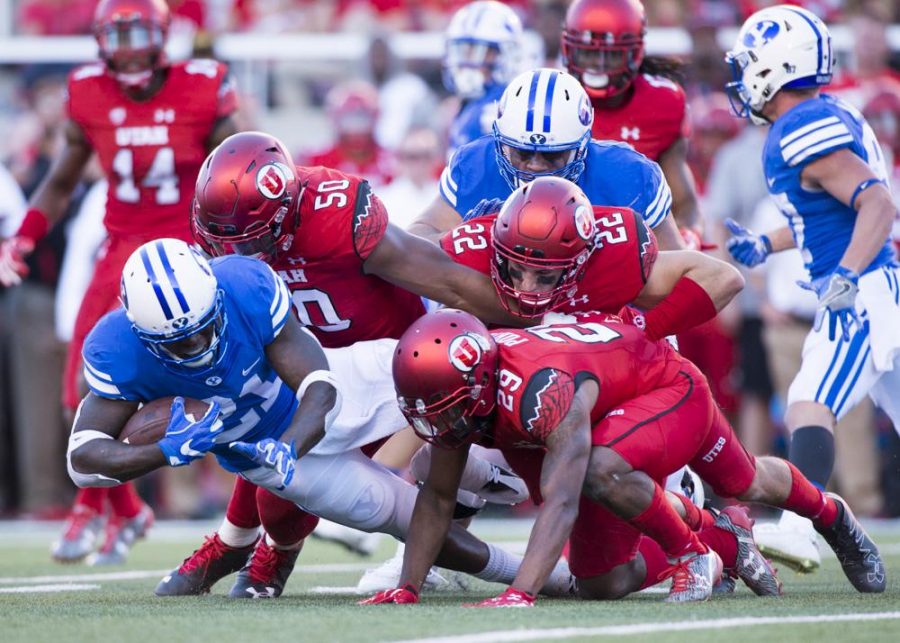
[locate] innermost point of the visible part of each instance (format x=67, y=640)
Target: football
x=148, y=424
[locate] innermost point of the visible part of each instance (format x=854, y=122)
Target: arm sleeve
x=369, y=221
x=814, y=135
x=660, y=206
x=546, y=401
x=449, y=184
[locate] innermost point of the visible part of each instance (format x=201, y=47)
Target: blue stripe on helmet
x=532, y=93
x=173, y=280
x=155, y=282
x=548, y=100
x=818, y=33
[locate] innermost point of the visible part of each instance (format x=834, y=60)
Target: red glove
x=405, y=595
x=512, y=597
x=693, y=241
x=12, y=260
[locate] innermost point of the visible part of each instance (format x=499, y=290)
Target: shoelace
x=681, y=577
x=264, y=563
x=211, y=549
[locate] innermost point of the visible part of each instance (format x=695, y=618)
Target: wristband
x=34, y=226
x=766, y=242
x=864, y=185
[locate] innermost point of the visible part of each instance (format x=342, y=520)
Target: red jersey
x=151, y=151
x=616, y=271
x=341, y=223
x=378, y=170
x=540, y=368
x=650, y=121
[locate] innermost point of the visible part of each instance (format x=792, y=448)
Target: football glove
x=483, y=207
x=406, y=595
x=188, y=439
x=274, y=454
x=747, y=247
x=12, y=260
x=837, y=302
x=512, y=597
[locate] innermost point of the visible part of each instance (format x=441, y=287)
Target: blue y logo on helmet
x=761, y=33
x=585, y=111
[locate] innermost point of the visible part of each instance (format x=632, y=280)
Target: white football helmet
x=483, y=48
x=543, y=110
x=171, y=295
x=778, y=47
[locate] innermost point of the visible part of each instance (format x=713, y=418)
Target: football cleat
x=694, y=576
x=858, y=555
x=121, y=534
x=204, y=568
x=387, y=576
x=504, y=487
x=791, y=541
x=265, y=575
x=79, y=537
x=358, y=542
x=751, y=566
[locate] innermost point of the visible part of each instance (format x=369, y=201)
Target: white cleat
x=358, y=542
x=791, y=541
x=387, y=576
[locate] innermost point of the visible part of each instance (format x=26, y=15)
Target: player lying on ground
x=593, y=416
x=223, y=332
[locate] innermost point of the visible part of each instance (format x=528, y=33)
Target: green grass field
x=125, y=609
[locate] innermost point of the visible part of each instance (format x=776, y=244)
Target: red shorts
x=660, y=432
x=722, y=460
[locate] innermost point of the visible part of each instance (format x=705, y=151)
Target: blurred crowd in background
x=386, y=118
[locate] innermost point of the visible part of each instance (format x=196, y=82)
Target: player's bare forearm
x=53, y=194
x=117, y=460
x=432, y=515
x=781, y=239
x=873, y=225
x=720, y=280
x=562, y=477
x=667, y=235
x=307, y=427
x=435, y=221
x=685, y=207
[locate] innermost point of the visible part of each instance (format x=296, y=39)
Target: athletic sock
x=242, y=510
x=501, y=566
x=125, y=501
x=695, y=517
x=284, y=522
x=655, y=560
x=93, y=498
x=662, y=523
x=292, y=546
x=724, y=543
x=808, y=501
x=235, y=536
x=812, y=452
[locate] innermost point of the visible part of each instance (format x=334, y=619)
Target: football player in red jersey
x=635, y=97
x=593, y=415
x=352, y=276
x=151, y=123
x=353, y=109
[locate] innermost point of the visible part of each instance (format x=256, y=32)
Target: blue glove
x=837, y=301
x=270, y=453
x=187, y=439
x=747, y=247
x=485, y=206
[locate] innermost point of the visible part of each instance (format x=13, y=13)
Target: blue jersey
x=475, y=119
x=255, y=403
x=821, y=225
x=614, y=174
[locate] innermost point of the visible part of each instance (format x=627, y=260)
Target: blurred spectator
x=547, y=19
x=419, y=162
x=712, y=125
x=55, y=17
x=353, y=110
x=404, y=100
x=278, y=16
x=706, y=72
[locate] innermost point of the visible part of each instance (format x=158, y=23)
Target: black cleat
x=751, y=566
x=855, y=551
x=265, y=575
x=204, y=568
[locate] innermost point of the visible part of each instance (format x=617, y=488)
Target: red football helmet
x=445, y=368
x=603, y=44
x=353, y=106
x=247, y=198
x=132, y=36
x=547, y=224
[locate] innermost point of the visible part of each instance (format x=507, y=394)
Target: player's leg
x=131, y=519
x=221, y=554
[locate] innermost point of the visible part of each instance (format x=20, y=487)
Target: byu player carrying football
x=543, y=128
x=223, y=332
x=827, y=173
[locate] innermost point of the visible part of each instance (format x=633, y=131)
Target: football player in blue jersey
x=827, y=173
x=543, y=128
x=483, y=53
x=223, y=332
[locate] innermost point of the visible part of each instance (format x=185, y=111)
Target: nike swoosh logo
x=771, y=182
x=246, y=371
x=186, y=450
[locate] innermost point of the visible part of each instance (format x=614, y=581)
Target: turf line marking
x=651, y=628
x=34, y=589
x=337, y=591
x=159, y=573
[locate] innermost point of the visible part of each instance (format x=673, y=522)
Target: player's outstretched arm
x=437, y=219
x=96, y=458
x=421, y=267
x=562, y=476
x=301, y=363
